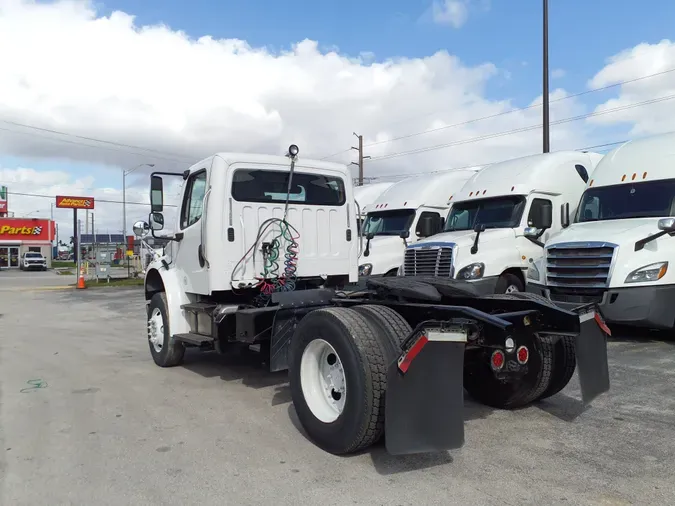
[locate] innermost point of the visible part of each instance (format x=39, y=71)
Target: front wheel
x=165, y=351
x=338, y=379
x=509, y=283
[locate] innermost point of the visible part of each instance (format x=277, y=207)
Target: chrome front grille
x=428, y=261
x=579, y=265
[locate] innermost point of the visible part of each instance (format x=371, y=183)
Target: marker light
x=293, y=150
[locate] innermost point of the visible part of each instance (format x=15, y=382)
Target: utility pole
x=545, y=100
x=361, y=157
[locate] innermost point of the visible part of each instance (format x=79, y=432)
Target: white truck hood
x=623, y=233
x=497, y=249
x=386, y=254
x=620, y=232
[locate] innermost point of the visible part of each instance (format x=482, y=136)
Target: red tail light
x=497, y=360
x=523, y=354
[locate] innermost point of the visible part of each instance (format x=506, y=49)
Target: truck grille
x=429, y=261
x=579, y=266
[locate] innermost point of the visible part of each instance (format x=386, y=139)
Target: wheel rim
x=156, y=330
x=323, y=381
x=511, y=289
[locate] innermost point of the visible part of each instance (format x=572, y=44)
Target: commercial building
x=19, y=235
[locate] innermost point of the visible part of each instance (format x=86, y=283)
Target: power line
x=66, y=141
x=503, y=113
x=520, y=130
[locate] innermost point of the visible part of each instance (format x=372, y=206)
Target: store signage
x=67, y=202
x=3, y=199
x=25, y=230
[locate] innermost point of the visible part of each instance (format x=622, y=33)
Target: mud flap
x=591, y=355
x=424, y=406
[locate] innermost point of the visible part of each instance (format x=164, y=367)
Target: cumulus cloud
x=632, y=65
x=557, y=73
x=450, y=12
x=155, y=94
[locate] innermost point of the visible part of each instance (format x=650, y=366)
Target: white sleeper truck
x=260, y=254
x=365, y=195
x=617, y=253
x=499, y=220
x=394, y=220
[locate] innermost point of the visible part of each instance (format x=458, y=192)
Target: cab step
x=199, y=307
x=194, y=339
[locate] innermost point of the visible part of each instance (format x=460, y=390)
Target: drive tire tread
x=370, y=357
x=173, y=351
x=564, y=364
x=393, y=327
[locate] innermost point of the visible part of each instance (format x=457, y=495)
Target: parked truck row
x=572, y=227
x=262, y=254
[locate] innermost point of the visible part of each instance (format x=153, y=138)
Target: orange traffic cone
x=80, y=279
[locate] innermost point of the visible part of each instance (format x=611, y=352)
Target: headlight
x=365, y=269
x=471, y=271
x=532, y=272
x=651, y=272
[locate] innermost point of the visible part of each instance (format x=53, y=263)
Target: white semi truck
x=617, y=251
x=394, y=219
x=499, y=220
x=260, y=254
x=365, y=195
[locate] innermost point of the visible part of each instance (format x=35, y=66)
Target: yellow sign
x=130, y=252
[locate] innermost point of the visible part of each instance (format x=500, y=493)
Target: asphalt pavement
x=86, y=418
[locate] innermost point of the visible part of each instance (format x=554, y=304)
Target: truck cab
x=365, y=195
x=394, y=219
x=617, y=251
x=500, y=219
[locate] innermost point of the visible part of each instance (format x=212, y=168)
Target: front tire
x=165, y=351
x=338, y=379
x=509, y=283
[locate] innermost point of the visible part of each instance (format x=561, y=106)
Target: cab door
x=192, y=270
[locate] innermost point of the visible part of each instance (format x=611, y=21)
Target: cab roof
x=544, y=172
x=647, y=159
x=259, y=159
x=433, y=190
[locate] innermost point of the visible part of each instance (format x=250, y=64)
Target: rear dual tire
x=338, y=374
x=550, y=368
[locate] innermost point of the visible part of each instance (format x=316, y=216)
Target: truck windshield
x=647, y=199
x=498, y=212
x=389, y=222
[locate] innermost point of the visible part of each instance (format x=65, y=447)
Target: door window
x=193, y=200
x=537, y=204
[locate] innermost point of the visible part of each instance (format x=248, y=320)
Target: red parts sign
x=12, y=229
x=66, y=202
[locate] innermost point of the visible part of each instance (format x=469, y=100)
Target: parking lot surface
x=86, y=418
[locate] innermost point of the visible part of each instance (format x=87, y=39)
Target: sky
x=90, y=89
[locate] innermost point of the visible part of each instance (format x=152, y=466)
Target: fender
x=175, y=298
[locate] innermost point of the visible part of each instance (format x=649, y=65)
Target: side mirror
x=156, y=221
x=429, y=225
x=531, y=232
x=405, y=234
x=480, y=227
x=667, y=224
x=543, y=217
x=565, y=215
x=156, y=195
x=370, y=236
x=141, y=229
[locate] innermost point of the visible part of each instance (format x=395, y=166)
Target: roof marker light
x=633, y=178
x=591, y=183
x=513, y=188
x=623, y=178
x=644, y=175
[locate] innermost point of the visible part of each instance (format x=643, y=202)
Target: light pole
x=124, y=197
x=545, y=98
